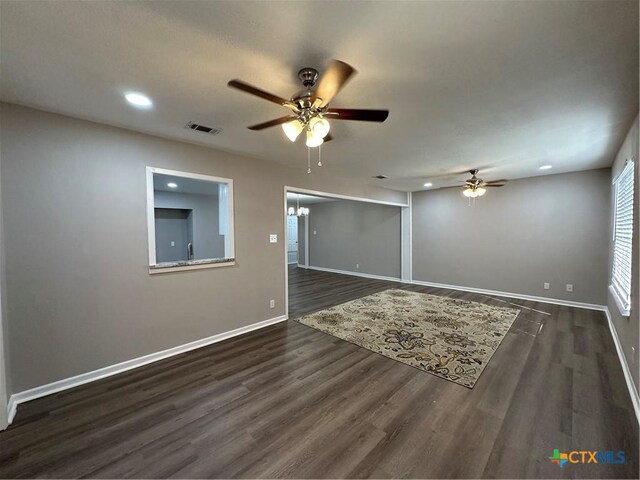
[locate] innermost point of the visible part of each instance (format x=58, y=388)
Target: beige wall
x=627, y=327
x=552, y=229
x=352, y=233
x=79, y=296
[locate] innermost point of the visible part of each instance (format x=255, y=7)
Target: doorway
x=341, y=237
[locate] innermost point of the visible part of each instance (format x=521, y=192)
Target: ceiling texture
x=501, y=86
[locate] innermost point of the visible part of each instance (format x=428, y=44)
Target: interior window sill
x=622, y=306
x=191, y=265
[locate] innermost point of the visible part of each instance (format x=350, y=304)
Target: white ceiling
x=506, y=86
x=184, y=185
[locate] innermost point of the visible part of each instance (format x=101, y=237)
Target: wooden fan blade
x=332, y=81
x=493, y=185
x=328, y=138
x=503, y=180
x=358, y=114
x=272, y=123
x=245, y=87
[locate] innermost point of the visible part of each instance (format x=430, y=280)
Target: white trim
x=306, y=241
x=623, y=307
x=286, y=254
x=12, y=407
x=406, y=238
x=151, y=227
x=151, y=222
x=197, y=266
x=633, y=392
x=71, y=382
x=342, y=197
x=553, y=301
x=356, y=274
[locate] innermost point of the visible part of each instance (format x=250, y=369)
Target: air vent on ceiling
x=203, y=128
x=381, y=177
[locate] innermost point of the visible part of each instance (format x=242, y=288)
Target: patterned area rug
x=453, y=339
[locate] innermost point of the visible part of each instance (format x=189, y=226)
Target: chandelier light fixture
x=299, y=211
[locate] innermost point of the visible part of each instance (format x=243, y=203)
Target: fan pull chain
x=308, y=160
x=320, y=156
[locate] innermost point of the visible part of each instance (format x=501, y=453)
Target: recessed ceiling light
x=428, y=184
x=172, y=185
x=546, y=167
x=138, y=100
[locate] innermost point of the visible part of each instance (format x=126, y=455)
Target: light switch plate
x=273, y=238
x=569, y=287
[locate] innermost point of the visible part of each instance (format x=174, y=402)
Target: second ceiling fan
x=309, y=108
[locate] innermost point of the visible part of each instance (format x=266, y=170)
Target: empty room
x=319, y=239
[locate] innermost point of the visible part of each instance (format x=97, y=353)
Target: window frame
x=621, y=297
x=229, y=258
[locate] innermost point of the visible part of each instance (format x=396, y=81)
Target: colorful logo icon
x=559, y=458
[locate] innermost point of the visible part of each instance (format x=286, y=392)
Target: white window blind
x=623, y=238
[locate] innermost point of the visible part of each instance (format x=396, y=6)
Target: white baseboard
x=71, y=382
x=355, y=274
x=553, y=301
x=11, y=409
x=633, y=391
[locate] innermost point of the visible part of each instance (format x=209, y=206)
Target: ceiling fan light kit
x=476, y=187
x=309, y=107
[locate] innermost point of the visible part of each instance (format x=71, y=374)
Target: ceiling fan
x=309, y=108
x=476, y=187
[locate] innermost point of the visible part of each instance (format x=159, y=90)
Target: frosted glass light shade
x=292, y=129
x=470, y=193
x=481, y=191
x=313, y=140
x=319, y=127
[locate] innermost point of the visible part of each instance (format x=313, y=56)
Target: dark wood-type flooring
x=290, y=401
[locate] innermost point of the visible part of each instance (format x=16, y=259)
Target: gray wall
x=350, y=233
x=627, y=327
x=207, y=241
x=552, y=229
x=79, y=295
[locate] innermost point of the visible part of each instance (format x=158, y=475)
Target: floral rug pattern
x=453, y=339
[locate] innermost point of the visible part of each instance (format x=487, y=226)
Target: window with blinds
x=623, y=238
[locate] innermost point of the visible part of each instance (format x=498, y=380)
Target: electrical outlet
x=273, y=238
x=272, y=304
x=173, y=244
x=357, y=265
x=315, y=232
x=569, y=287
x=546, y=285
